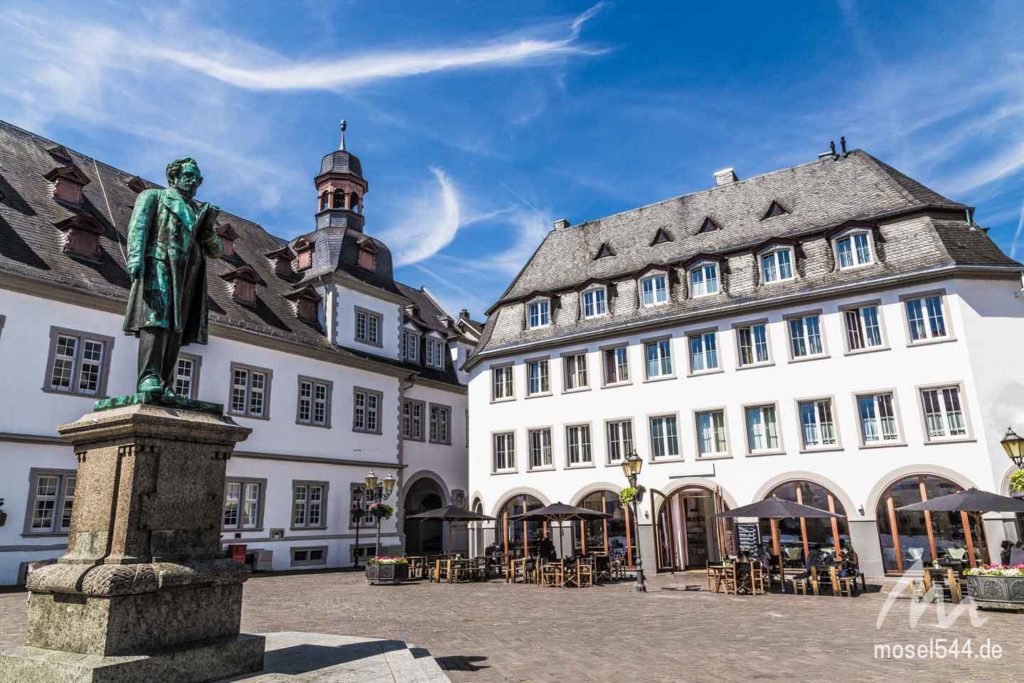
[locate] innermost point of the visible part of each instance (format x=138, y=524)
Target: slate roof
x=816, y=197
x=31, y=247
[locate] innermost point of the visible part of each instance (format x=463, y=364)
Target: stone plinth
x=143, y=591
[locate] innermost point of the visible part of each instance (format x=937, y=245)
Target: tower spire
x=344, y=125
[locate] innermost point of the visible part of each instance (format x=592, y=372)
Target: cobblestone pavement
x=499, y=632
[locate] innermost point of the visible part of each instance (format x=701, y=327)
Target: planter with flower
x=997, y=586
x=630, y=494
x=384, y=570
x=380, y=510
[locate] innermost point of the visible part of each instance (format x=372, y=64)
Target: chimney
x=562, y=224
x=725, y=177
x=464, y=314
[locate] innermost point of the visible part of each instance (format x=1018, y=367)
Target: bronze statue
x=169, y=237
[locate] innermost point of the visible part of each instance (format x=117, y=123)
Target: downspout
x=403, y=386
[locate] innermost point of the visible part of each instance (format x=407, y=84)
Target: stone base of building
x=212, y=661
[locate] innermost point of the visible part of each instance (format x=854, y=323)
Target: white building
x=834, y=333
x=337, y=368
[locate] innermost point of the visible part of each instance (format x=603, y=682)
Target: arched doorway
x=614, y=536
x=799, y=535
x=517, y=538
x=925, y=537
x=688, y=533
x=480, y=536
x=423, y=536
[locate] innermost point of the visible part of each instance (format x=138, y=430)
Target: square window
x=250, y=391
x=704, y=280
x=863, y=328
x=411, y=346
x=412, y=419
x=943, y=413
x=762, y=429
x=926, y=319
x=777, y=266
x=664, y=437
x=440, y=424
x=574, y=371
x=620, y=440
x=366, y=411
x=368, y=326
x=502, y=387
x=51, y=501
x=539, y=313
x=659, y=358
x=78, y=364
x=595, y=303
x=752, y=342
x=805, y=336
x=817, y=425
x=711, y=436
x=616, y=365
x=654, y=290
x=243, y=504
x=703, y=352
x=854, y=250
x=537, y=379
x=540, y=449
x=577, y=445
x=314, y=402
x=505, y=452
x=877, y=414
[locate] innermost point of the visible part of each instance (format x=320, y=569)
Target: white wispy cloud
x=428, y=225
x=236, y=68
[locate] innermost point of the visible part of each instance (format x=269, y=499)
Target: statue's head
x=184, y=176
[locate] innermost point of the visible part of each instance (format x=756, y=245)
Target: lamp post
x=357, y=514
x=631, y=466
x=1014, y=447
x=377, y=491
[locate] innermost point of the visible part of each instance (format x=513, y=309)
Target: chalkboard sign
x=748, y=535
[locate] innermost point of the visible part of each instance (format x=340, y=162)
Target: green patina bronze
x=141, y=398
x=170, y=237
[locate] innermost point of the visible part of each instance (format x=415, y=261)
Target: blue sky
x=479, y=123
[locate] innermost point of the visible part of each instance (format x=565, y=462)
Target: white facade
x=980, y=355
x=279, y=451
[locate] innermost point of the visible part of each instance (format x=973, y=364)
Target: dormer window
x=654, y=290
x=136, y=184
x=435, y=353
x=243, y=284
x=595, y=302
x=604, y=250
x=81, y=237
x=704, y=280
x=68, y=182
x=281, y=259
x=303, y=254
x=775, y=209
x=854, y=249
x=776, y=265
x=538, y=313
x=708, y=225
x=307, y=304
x=227, y=236
x=367, y=258
x=661, y=236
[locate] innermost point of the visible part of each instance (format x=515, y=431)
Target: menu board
x=748, y=535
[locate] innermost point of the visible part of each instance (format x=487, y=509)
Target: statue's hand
x=134, y=271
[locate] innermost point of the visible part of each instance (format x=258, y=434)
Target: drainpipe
x=403, y=386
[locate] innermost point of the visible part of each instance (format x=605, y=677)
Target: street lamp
x=377, y=491
x=1014, y=447
x=631, y=466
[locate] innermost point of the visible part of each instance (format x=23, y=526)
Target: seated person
x=546, y=549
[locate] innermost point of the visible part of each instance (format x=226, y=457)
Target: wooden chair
x=757, y=578
x=800, y=582
x=584, y=574
x=842, y=585
x=552, y=574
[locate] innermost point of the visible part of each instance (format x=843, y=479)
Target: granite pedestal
x=144, y=591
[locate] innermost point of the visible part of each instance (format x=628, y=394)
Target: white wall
x=347, y=300
x=856, y=475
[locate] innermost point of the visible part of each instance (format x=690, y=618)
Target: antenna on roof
x=832, y=146
x=842, y=145
x=344, y=125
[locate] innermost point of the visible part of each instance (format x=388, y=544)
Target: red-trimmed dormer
x=282, y=260
x=81, y=237
x=306, y=304
x=228, y=235
x=303, y=249
x=68, y=182
x=243, y=281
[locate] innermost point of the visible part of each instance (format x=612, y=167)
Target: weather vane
x=344, y=125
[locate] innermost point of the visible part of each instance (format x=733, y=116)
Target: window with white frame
x=854, y=249
x=306, y=556
x=659, y=358
x=704, y=280
x=314, y=402
x=368, y=326
x=711, y=437
x=925, y=318
x=440, y=424
x=620, y=439
x=540, y=448
x=877, y=413
x=805, y=336
x=654, y=290
x=863, y=328
x=664, y=437
x=762, y=429
x=51, y=501
x=243, y=504
x=777, y=265
x=703, y=351
x=502, y=386
x=752, y=342
x=577, y=445
x=410, y=346
x=366, y=411
x=250, y=391
x=504, y=452
x=595, y=302
x=817, y=425
x=435, y=353
x=537, y=379
x=943, y=414
x=309, y=500
x=574, y=371
x=412, y=419
x=186, y=375
x=539, y=313
x=616, y=365
x=79, y=362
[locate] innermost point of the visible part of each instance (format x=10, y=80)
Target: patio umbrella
x=776, y=508
x=452, y=513
x=560, y=512
x=969, y=500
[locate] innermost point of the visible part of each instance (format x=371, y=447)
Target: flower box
x=997, y=592
x=387, y=573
